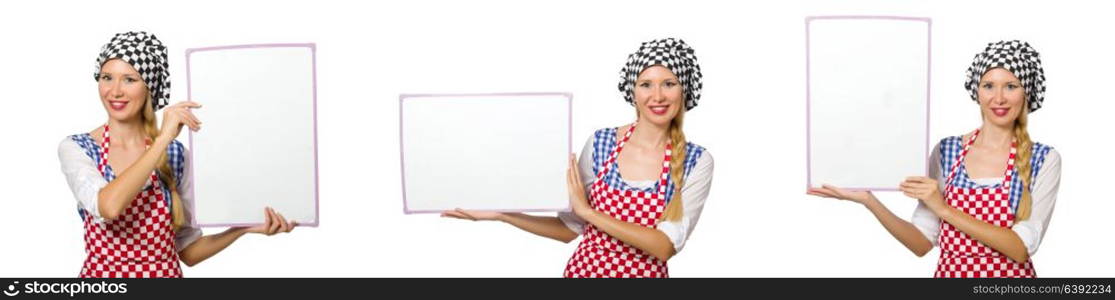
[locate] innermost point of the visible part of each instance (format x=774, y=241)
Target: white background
x=758, y=222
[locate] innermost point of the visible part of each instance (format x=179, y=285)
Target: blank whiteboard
x=258, y=143
x=499, y=152
x=867, y=100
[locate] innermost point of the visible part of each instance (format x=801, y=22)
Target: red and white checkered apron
x=963, y=256
x=140, y=243
x=600, y=254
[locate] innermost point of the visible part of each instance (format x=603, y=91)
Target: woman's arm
x=694, y=192
x=119, y=193
x=207, y=246
x=82, y=176
x=550, y=227
x=1002, y=239
x=115, y=197
x=564, y=228
x=1044, y=198
x=902, y=230
x=649, y=240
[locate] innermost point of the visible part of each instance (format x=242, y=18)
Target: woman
x=134, y=202
x=633, y=223
x=987, y=221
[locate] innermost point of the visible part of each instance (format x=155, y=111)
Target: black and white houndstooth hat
x=674, y=54
x=1014, y=56
x=147, y=55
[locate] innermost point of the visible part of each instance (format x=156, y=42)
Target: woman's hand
x=175, y=116
x=210, y=245
x=551, y=227
x=924, y=189
x=828, y=191
x=473, y=215
x=273, y=223
x=902, y=230
x=578, y=201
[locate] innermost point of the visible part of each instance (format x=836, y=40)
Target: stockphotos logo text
x=67, y=288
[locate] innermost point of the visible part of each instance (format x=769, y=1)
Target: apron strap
x=662, y=181
x=960, y=158
x=103, y=165
x=964, y=153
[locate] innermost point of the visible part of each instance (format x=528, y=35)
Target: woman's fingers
x=918, y=179
x=456, y=214
x=466, y=215
x=832, y=192
x=173, y=119
x=284, y=226
x=918, y=185
x=916, y=191
x=825, y=192
x=279, y=222
x=826, y=195
x=193, y=119
x=275, y=224
x=187, y=120
x=180, y=114
x=571, y=173
x=904, y=185
x=568, y=177
x=267, y=220
x=820, y=192
x=186, y=104
x=921, y=183
x=573, y=168
x=481, y=215
x=835, y=191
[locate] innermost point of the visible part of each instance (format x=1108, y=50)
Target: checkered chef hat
x=1014, y=56
x=674, y=54
x=147, y=55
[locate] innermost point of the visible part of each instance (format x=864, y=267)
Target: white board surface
x=257, y=147
x=502, y=152
x=867, y=100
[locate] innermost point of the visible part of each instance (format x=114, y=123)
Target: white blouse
x=86, y=181
x=1043, y=195
x=693, y=194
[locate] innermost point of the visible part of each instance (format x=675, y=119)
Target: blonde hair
x=677, y=167
x=1022, y=163
x=166, y=173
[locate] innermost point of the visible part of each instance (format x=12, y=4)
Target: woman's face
x=658, y=95
x=1001, y=97
x=122, y=90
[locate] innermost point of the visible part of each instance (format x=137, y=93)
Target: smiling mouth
x=118, y=105
x=658, y=109
x=1000, y=111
